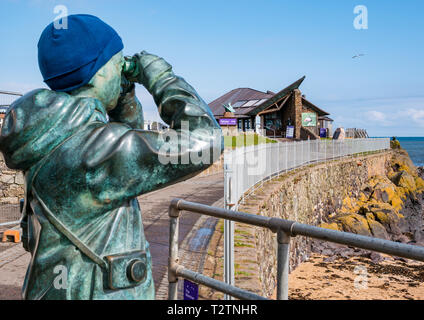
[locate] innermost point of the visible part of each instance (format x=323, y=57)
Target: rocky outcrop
x=307, y=195
x=420, y=172
x=389, y=206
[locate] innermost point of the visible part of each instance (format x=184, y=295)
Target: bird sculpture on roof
x=228, y=108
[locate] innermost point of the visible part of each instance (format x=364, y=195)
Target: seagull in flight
x=358, y=55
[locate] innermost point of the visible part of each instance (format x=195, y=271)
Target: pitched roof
x=276, y=108
x=249, y=102
x=240, y=94
x=325, y=118
x=318, y=110
x=278, y=96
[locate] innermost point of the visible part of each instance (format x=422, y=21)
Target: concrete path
x=195, y=233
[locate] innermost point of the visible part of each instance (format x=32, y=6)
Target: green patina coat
x=88, y=170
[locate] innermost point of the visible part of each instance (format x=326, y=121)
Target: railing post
x=325, y=150
x=287, y=161
x=174, y=214
x=283, y=259
x=229, y=227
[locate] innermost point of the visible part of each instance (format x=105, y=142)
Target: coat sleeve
x=122, y=162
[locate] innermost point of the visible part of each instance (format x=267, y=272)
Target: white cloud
x=416, y=115
x=401, y=116
x=376, y=116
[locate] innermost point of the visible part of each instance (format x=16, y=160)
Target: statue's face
x=107, y=81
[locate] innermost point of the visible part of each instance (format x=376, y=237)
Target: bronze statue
x=86, y=159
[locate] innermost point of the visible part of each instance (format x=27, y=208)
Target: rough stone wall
x=295, y=112
x=307, y=196
x=11, y=184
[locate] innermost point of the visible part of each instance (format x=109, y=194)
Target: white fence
x=245, y=168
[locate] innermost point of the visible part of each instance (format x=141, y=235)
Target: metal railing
x=10, y=215
x=356, y=133
x=7, y=97
x=285, y=230
x=247, y=167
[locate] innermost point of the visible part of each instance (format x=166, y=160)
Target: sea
x=415, y=148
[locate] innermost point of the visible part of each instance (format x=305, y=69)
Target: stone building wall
x=306, y=195
x=11, y=184
x=297, y=105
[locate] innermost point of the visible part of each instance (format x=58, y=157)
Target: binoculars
x=129, y=68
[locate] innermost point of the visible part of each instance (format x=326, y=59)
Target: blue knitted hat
x=69, y=58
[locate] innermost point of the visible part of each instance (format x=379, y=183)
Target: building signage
x=290, y=132
x=228, y=122
x=309, y=119
x=323, y=133
x=191, y=290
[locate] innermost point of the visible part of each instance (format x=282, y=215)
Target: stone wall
x=307, y=195
x=11, y=184
x=297, y=112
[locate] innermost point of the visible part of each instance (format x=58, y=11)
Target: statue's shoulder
x=39, y=100
x=43, y=98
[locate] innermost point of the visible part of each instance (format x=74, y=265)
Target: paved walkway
x=195, y=233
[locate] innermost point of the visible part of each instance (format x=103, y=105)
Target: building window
x=239, y=124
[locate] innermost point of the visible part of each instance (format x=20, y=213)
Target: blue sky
x=221, y=45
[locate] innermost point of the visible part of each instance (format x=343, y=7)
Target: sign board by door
x=227, y=122
x=191, y=290
x=290, y=132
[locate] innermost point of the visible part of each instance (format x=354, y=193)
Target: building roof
x=325, y=118
x=314, y=107
x=278, y=96
x=249, y=102
x=249, y=96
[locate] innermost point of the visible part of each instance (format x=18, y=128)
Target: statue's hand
x=145, y=69
x=128, y=109
x=126, y=85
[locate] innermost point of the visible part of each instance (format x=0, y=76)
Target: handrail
x=11, y=223
x=285, y=229
x=11, y=93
